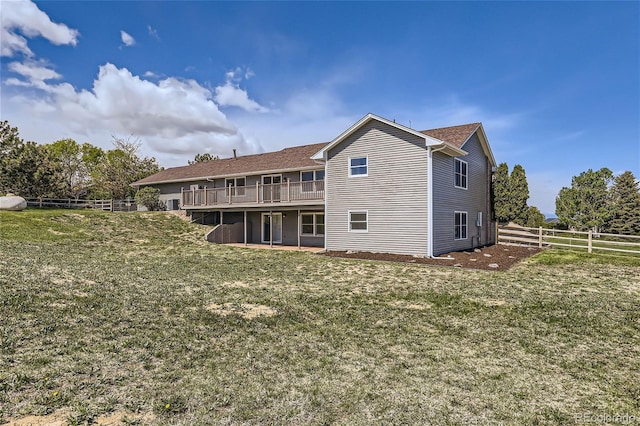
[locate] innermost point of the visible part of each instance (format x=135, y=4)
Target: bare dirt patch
x=412, y=306
x=497, y=257
x=61, y=418
x=245, y=310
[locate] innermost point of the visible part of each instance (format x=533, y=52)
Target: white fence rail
x=128, y=205
x=590, y=241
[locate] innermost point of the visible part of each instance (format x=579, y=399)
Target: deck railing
x=287, y=192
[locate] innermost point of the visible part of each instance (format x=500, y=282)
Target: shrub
x=150, y=198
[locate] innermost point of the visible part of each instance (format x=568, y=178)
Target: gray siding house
x=377, y=187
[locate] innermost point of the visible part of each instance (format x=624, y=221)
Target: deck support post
x=270, y=228
x=298, y=229
x=245, y=228
x=221, y=222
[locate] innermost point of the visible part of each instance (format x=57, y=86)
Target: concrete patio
x=277, y=247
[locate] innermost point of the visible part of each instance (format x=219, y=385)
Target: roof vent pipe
x=235, y=157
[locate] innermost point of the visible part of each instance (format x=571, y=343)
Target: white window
x=314, y=179
x=313, y=224
x=237, y=185
x=358, y=166
x=358, y=221
x=460, y=174
x=460, y=225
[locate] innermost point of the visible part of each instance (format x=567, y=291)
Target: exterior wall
x=172, y=191
x=447, y=199
x=289, y=228
x=394, y=193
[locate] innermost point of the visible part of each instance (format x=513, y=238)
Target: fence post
x=590, y=247
x=540, y=237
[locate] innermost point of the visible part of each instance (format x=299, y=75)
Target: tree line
x=601, y=202
x=67, y=169
x=596, y=200
x=510, y=196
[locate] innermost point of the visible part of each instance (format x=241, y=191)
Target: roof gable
x=430, y=140
x=455, y=135
x=459, y=135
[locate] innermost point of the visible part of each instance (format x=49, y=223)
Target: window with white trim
x=460, y=225
x=460, y=172
x=358, y=166
x=312, y=223
x=237, y=185
x=358, y=221
x=314, y=179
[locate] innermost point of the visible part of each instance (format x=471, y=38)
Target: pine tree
x=519, y=194
x=501, y=193
x=624, y=196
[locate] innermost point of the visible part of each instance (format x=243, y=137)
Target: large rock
x=13, y=203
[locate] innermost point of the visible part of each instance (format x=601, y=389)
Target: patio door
x=272, y=229
x=271, y=188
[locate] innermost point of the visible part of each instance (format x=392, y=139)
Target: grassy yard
x=135, y=314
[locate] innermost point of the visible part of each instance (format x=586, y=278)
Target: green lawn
x=134, y=313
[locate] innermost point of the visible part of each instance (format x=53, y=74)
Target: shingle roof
x=455, y=135
x=297, y=157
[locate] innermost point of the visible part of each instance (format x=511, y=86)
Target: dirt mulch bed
x=497, y=257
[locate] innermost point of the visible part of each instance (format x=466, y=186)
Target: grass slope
x=135, y=313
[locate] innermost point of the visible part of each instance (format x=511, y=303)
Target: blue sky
x=556, y=84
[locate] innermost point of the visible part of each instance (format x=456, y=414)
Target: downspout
x=430, y=152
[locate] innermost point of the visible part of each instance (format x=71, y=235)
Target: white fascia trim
x=429, y=202
x=484, y=142
x=326, y=205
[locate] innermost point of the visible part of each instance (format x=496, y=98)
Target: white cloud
x=34, y=71
x=127, y=39
x=23, y=16
x=153, y=32
x=173, y=116
x=230, y=93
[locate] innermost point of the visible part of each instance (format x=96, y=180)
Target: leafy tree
x=74, y=175
x=10, y=146
x=203, y=158
x=150, y=198
x=519, y=194
x=501, y=196
x=120, y=167
x=624, y=197
x=534, y=218
x=586, y=204
x=26, y=168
